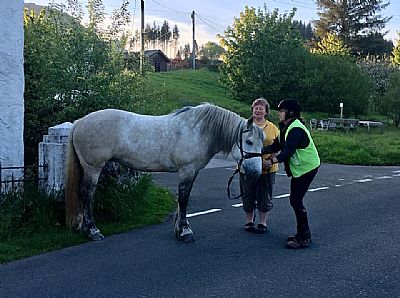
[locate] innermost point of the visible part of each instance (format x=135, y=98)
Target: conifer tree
x=350, y=20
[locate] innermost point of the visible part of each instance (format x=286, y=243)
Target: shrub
x=28, y=210
x=330, y=80
x=392, y=98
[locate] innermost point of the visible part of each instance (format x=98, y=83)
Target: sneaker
x=295, y=243
x=293, y=237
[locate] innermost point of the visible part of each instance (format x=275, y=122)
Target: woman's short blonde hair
x=261, y=101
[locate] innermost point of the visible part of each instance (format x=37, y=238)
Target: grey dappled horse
x=183, y=141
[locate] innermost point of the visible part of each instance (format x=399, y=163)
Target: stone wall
x=11, y=86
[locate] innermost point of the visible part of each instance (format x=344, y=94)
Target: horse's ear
x=250, y=122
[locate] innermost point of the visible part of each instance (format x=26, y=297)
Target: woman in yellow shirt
x=258, y=193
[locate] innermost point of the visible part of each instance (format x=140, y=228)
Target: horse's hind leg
x=87, y=190
x=182, y=228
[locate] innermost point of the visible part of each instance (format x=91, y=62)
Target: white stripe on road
x=396, y=171
x=282, y=196
x=319, y=188
x=237, y=205
x=384, y=177
x=203, y=212
x=363, y=180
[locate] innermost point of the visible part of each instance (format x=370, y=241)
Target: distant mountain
x=36, y=8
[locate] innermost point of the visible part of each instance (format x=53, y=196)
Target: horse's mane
x=219, y=124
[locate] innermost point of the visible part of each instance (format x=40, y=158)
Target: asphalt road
x=354, y=218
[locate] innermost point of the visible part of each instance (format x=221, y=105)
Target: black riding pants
x=299, y=187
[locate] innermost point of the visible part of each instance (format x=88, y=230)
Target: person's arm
x=297, y=138
x=274, y=147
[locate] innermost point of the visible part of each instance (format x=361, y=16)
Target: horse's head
x=247, y=150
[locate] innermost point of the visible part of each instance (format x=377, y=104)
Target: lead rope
x=228, y=189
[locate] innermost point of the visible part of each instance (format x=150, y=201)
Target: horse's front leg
x=182, y=229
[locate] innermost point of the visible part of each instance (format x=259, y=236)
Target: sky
x=214, y=16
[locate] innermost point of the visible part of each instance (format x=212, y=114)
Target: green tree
x=175, y=38
x=396, y=52
x=70, y=71
x=211, y=51
x=264, y=56
x=306, y=30
x=186, y=51
x=120, y=17
x=373, y=44
x=329, y=80
x=380, y=72
x=392, y=98
x=96, y=13
x=350, y=20
x=331, y=45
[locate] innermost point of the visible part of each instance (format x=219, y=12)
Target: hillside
x=36, y=8
x=187, y=87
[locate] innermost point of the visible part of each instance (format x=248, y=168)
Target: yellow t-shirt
x=271, y=133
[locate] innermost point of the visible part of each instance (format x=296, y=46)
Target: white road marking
x=363, y=180
x=396, y=175
x=282, y=196
x=203, y=212
x=237, y=205
x=396, y=171
x=384, y=177
x=319, y=188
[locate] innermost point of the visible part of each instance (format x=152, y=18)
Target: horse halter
x=244, y=155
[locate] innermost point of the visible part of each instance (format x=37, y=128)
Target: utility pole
x=193, y=46
x=142, y=37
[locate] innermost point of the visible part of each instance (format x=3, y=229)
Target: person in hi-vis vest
x=297, y=151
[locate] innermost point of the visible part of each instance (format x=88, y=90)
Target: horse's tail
x=73, y=177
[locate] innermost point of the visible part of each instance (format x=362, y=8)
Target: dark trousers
x=298, y=188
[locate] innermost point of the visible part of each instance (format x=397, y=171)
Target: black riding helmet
x=292, y=107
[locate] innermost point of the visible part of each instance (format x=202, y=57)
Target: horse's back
x=115, y=134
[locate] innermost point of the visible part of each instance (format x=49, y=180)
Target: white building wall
x=11, y=86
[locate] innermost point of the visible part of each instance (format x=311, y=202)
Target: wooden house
x=159, y=59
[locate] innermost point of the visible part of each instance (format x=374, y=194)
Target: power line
x=162, y=5
x=208, y=19
x=291, y=4
x=301, y=2
x=168, y=11
x=219, y=31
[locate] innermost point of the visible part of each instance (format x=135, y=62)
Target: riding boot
x=303, y=235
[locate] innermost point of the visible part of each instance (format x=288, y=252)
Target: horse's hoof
x=186, y=235
x=188, y=238
x=95, y=235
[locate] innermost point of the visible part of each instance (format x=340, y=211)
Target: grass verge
x=31, y=223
